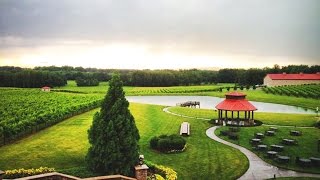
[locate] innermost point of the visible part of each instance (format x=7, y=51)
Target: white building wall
x=270, y=83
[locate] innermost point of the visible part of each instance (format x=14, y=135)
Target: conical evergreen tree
x=113, y=134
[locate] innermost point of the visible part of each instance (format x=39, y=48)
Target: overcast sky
x=159, y=34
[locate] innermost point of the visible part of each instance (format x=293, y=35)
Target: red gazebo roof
x=234, y=103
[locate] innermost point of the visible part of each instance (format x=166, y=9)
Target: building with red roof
x=291, y=79
x=236, y=102
x=46, y=88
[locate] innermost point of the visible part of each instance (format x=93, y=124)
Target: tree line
x=130, y=77
x=26, y=78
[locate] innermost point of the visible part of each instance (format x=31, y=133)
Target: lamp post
x=141, y=159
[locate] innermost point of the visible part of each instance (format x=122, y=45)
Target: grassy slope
x=65, y=144
x=266, y=118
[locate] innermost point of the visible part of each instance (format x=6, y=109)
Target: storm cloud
x=289, y=28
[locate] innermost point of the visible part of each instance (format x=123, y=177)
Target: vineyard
x=171, y=90
x=305, y=91
x=26, y=111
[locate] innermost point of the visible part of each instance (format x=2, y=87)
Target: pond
x=207, y=102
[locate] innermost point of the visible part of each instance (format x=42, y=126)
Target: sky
x=159, y=34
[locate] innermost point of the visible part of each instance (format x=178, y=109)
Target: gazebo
x=236, y=102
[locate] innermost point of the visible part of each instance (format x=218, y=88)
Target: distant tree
x=113, y=134
x=87, y=80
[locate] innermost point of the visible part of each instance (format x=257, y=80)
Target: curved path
x=258, y=169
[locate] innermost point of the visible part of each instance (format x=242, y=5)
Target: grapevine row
x=25, y=111
x=305, y=91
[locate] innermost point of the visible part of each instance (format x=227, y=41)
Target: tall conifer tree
x=113, y=134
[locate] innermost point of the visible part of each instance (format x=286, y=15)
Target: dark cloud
x=266, y=27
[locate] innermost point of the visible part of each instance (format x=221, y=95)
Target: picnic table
x=270, y=133
x=255, y=141
x=315, y=161
x=262, y=147
x=276, y=147
x=284, y=159
x=259, y=135
x=272, y=154
x=295, y=133
x=288, y=141
x=304, y=162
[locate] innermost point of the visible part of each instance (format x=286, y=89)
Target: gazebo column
x=226, y=115
x=232, y=115
x=245, y=115
x=249, y=114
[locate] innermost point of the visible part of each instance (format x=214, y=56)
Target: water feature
x=207, y=102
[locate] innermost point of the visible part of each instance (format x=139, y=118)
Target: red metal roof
x=294, y=76
x=236, y=105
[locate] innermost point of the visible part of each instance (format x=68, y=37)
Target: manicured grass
x=266, y=118
x=64, y=146
x=307, y=144
x=61, y=146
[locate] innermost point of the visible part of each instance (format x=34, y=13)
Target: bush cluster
x=19, y=173
x=168, y=143
x=166, y=172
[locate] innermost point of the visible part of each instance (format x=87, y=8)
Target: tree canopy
x=113, y=134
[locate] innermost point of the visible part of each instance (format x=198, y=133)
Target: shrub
x=19, y=173
x=165, y=143
x=317, y=124
x=166, y=172
x=159, y=177
x=154, y=142
x=254, y=87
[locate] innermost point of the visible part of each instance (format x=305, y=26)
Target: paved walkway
x=258, y=169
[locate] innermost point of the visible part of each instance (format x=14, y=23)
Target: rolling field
x=64, y=146
x=204, y=90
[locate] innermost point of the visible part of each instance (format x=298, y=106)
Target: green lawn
x=306, y=148
x=307, y=143
x=64, y=146
x=266, y=118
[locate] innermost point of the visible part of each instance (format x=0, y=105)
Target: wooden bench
x=185, y=129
